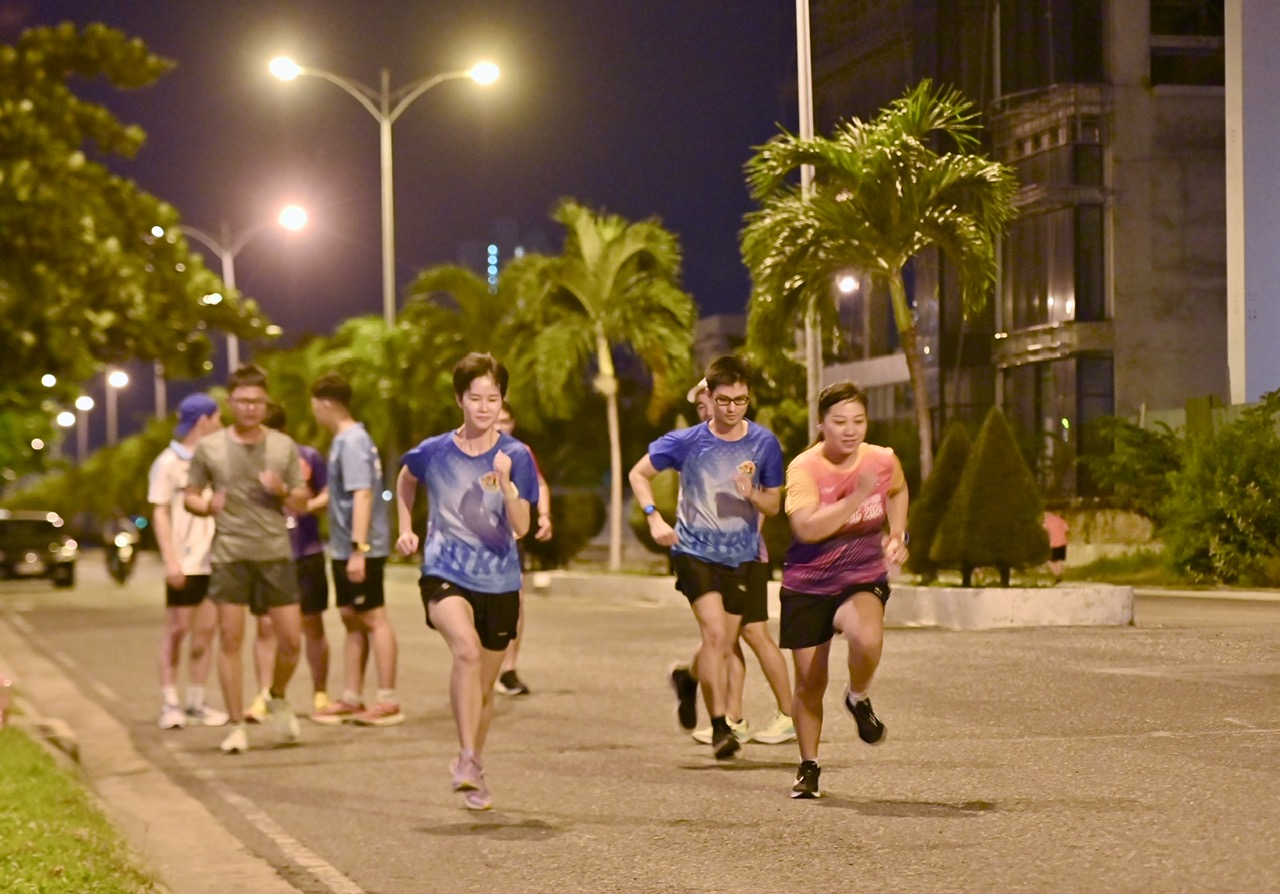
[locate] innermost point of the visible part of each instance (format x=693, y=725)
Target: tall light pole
x=116, y=379
x=804, y=81
x=385, y=105
x=84, y=403
x=291, y=217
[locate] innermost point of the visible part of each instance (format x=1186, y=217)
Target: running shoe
x=257, y=711
x=337, y=712
x=806, y=784
x=479, y=797
x=236, y=742
x=381, y=714
x=685, y=685
x=172, y=717
x=285, y=720
x=870, y=729
x=510, y=684
x=466, y=772
x=741, y=729
x=203, y=715
x=778, y=730
x=320, y=701
x=724, y=744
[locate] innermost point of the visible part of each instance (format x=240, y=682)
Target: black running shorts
x=696, y=578
x=364, y=596
x=313, y=585
x=809, y=620
x=495, y=614
x=756, y=606
x=192, y=593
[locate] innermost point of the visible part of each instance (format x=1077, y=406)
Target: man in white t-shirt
x=184, y=541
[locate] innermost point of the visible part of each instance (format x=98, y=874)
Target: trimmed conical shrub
x=928, y=509
x=993, y=519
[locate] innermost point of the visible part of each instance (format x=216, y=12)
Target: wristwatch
x=650, y=509
x=903, y=536
x=360, y=547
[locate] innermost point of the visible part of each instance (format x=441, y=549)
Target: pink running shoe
x=381, y=714
x=337, y=712
x=479, y=798
x=467, y=775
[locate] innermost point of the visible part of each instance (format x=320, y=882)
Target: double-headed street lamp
x=385, y=106
x=292, y=217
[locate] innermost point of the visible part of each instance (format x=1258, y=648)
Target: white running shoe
x=171, y=717
x=286, y=721
x=203, y=715
x=236, y=742
x=778, y=730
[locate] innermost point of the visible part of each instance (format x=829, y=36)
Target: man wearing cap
x=185, y=542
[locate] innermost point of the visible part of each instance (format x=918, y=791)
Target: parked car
x=36, y=544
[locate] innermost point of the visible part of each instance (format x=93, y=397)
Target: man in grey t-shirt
x=254, y=474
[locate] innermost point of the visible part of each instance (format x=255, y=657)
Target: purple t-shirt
x=304, y=529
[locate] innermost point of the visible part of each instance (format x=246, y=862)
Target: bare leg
x=806, y=706
x=230, y=669
x=861, y=621
x=355, y=651
x=264, y=652
x=719, y=632
x=771, y=662
x=736, y=669
x=453, y=618
x=177, y=623
x=385, y=650
x=204, y=625
x=317, y=649
x=287, y=621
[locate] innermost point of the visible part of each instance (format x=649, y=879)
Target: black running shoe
x=806, y=785
x=724, y=744
x=686, y=687
x=870, y=729
x=510, y=684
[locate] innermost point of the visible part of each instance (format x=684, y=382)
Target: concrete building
x=1113, y=282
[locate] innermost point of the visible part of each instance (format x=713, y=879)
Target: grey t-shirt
x=252, y=526
x=354, y=464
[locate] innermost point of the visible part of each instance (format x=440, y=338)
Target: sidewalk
x=175, y=837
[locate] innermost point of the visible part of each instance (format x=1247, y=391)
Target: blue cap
x=193, y=408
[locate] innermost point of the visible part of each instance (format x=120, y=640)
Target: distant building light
x=519, y=252
x=37, y=444
x=493, y=269
x=493, y=249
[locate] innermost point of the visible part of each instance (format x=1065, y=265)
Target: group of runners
x=226, y=500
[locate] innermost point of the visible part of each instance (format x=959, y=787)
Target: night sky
x=642, y=107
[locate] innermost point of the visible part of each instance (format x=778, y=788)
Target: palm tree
x=615, y=285
x=881, y=194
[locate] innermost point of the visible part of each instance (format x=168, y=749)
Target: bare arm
x=895, y=551
x=543, y=531
x=812, y=524
x=406, y=493
x=768, y=500
x=641, y=477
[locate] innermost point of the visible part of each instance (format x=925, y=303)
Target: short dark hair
x=332, y=386
x=506, y=408
x=727, y=370
x=474, y=366
x=838, y=393
x=247, y=375
x=276, y=417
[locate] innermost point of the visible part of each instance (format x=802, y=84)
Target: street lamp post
x=116, y=379
x=84, y=403
x=385, y=106
x=291, y=217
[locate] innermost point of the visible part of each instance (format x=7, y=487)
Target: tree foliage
x=994, y=516
x=928, y=509
x=882, y=193
x=1136, y=470
x=83, y=280
x=1222, y=516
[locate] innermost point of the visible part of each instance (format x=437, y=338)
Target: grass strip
x=53, y=838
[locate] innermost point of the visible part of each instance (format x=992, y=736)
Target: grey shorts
x=259, y=585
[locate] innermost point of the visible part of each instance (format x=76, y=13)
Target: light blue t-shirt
x=713, y=523
x=469, y=541
x=354, y=464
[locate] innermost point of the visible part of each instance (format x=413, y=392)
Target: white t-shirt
x=192, y=534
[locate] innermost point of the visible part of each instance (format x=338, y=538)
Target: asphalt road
x=1142, y=759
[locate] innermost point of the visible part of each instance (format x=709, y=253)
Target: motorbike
x=122, y=553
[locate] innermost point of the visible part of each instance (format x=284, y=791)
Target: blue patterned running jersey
x=713, y=523
x=469, y=541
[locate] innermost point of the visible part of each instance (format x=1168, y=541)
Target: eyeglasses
x=249, y=401
x=722, y=401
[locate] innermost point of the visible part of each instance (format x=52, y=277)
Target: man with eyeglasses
x=253, y=474
x=731, y=472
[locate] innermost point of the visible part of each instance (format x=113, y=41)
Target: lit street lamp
x=84, y=403
x=385, y=106
x=116, y=379
x=291, y=217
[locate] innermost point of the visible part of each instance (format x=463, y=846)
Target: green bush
x=927, y=511
x=1135, y=471
x=994, y=517
x=577, y=515
x=1222, y=518
x=666, y=491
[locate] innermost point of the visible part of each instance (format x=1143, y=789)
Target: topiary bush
x=577, y=515
x=926, y=512
x=994, y=516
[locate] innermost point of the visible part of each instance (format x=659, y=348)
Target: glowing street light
x=291, y=217
x=116, y=379
x=65, y=419
x=84, y=403
x=385, y=106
